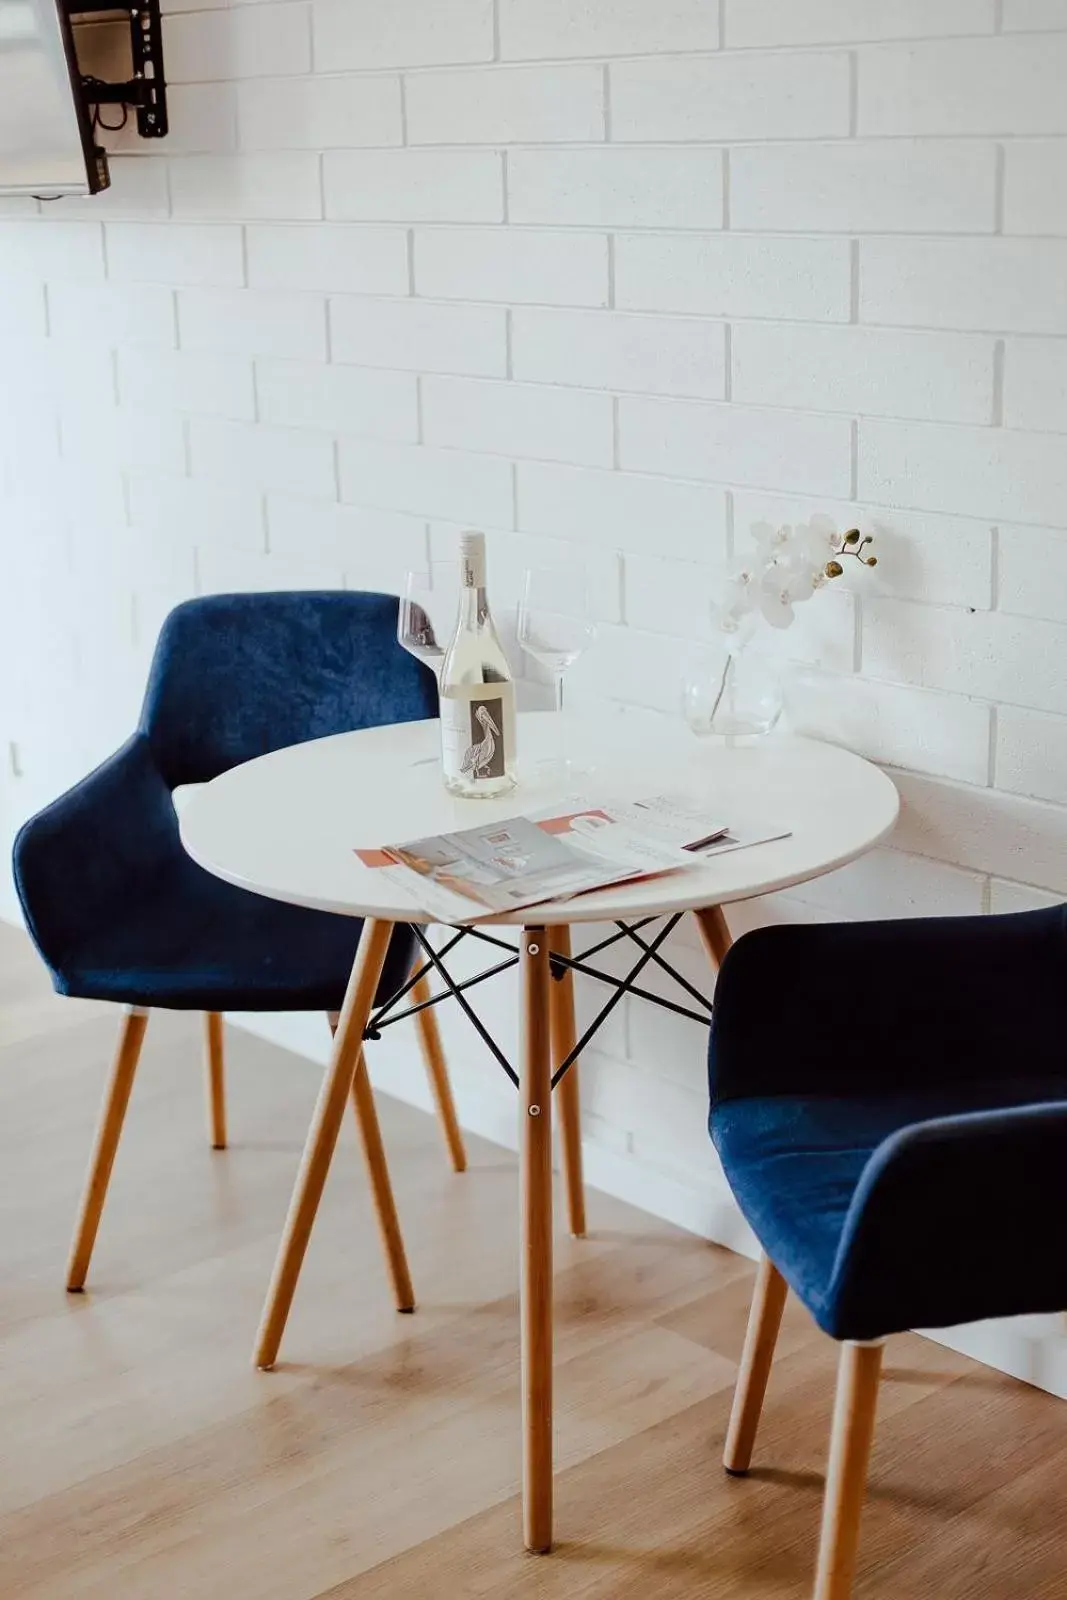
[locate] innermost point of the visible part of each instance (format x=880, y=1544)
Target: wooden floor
x=142, y=1459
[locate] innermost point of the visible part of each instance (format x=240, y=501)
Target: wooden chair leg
x=764, y=1320
x=568, y=1095
x=215, y=1065
x=434, y=1056
x=322, y=1137
x=846, y=1480
x=109, y=1130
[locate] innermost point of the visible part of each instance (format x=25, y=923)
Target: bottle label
x=472, y=560
x=474, y=729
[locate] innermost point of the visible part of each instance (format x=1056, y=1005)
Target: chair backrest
x=237, y=675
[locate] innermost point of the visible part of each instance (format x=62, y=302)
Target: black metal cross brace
x=386, y=1015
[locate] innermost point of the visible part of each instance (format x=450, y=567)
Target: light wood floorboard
x=140, y=1456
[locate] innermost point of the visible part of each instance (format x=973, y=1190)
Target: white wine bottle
x=477, y=693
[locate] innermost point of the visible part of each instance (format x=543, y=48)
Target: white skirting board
x=1033, y=1349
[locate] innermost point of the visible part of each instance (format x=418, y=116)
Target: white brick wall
x=734, y=275
x=779, y=22
x=613, y=280
x=726, y=97
x=562, y=28
x=613, y=351
x=362, y=35
x=1036, y=189
x=252, y=322
x=335, y=399
x=318, y=113
x=413, y=185
x=420, y=336
x=175, y=253
x=516, y=419
x=506, y=105
x=782, y=449
x=238, y=42
x=873, y=186
x=648, y=188
x=512, y=265
x=203, y=383
x=335, y=259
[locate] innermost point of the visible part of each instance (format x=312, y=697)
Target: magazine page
x=524, y=861
x=681, y=821
x=676, y=819
x=572, y=849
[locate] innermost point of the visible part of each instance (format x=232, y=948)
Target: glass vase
x=732, y=691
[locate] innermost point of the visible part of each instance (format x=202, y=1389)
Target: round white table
x=288, y=824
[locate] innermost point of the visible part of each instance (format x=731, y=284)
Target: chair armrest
x=956, y=1219
x=103, y=843
x=843, y=1008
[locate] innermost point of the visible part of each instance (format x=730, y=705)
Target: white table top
x=287, y=825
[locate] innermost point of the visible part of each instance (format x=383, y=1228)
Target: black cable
x=90, y=83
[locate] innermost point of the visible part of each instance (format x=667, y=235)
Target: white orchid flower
x=784, y=584
x=819, y=539
x=733, y=609
x=765, y=536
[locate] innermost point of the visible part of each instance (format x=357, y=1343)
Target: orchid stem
x=721, y=690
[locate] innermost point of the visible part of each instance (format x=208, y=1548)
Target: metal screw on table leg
x=535, y=949
x=535, y=1111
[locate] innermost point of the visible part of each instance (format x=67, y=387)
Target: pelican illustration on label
x=484, y=756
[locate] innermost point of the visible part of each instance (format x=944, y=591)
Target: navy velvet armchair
x=119, y=912
x=889, y=1101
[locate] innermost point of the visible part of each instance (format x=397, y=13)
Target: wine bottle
x=477, y=692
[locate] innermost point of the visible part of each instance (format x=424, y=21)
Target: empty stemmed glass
x=427, y=616
x=555, y=627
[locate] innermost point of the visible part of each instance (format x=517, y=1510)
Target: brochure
x=515, y=862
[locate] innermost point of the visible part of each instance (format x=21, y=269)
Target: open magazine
x=523, y=861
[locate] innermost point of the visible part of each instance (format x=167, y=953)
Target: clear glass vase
x=732, y=691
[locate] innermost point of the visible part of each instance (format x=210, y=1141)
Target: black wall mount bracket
x=146, y=92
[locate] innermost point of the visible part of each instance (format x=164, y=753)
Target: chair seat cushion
x=794, y=1164
x=197, y=943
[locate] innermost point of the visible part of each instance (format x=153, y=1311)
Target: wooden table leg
x=437, y=1069
x=564, y=1038
x=715, y=934
x=322, y=1136
x=535, y=1145
x=381, y=1186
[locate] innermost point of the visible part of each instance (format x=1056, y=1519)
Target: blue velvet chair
x=889, y=1101
x=120, y=912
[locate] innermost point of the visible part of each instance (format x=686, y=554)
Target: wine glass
x=428, y=611
x=555, y=627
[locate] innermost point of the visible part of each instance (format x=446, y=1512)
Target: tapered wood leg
x=535, y=1154
x=568, y=1095
x=108, y=1132
x=434, y=1056
x=381, y=1185
x=764, y=1320
x=215, y=1065
x=322, y=1137
x=715, y=933
x=858, y=1373
x=370, y=1134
